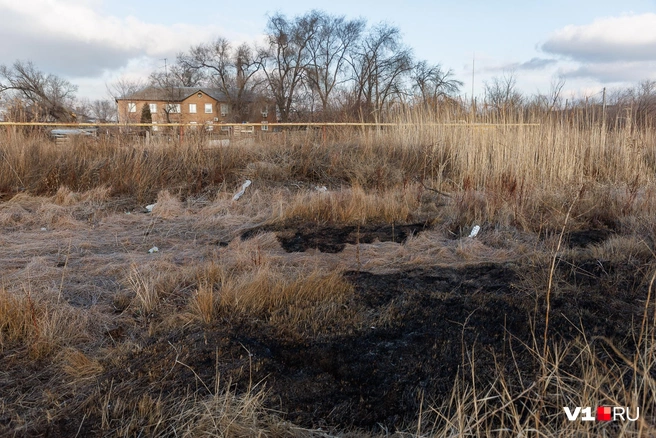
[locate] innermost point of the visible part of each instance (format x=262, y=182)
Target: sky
x=591, y=44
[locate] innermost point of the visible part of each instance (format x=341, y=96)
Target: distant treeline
x=322, y=67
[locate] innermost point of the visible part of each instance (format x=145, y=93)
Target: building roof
x=174, y=94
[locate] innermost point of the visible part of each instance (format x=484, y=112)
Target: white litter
x=474, y=231
x=321, y=189
x=153, y=249
x=44, y=229
x=242, y=191
x=150, y=207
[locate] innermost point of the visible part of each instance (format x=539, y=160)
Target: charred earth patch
x=415, y=333
x=333, y=238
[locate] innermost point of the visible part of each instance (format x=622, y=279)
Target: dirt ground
x=425, y=309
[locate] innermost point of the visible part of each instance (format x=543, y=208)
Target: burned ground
x=422, y=328
x=437, y=323
x=332, y=238
x=401, y=338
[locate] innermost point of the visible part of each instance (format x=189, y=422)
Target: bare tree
x=644, y=103
x=124, y=87
x=43, y=97
x=328, y=52
x=180, y=74
x=286, y=59
x=547, y=103
x=380, y=64
x=501, y=94
x=233, y=71
x=103, y=110
x=99, y=110
x=433, y=83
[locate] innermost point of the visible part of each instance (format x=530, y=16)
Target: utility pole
x=603, y=109
x=473, y=101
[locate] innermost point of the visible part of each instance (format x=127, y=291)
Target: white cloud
x=73, y=39
x=77, y=21
x=534, y=64
x=625, y=38
x=614, y=72
x=618, y=50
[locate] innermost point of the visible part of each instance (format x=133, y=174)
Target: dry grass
x=39, y=325
x=203, y=303
x=17, y=319
x=507, y=408
x=79, y=292
x=293, y=299
x=351, y=206
x=222, y=413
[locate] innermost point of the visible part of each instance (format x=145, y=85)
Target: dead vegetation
x=302, y=312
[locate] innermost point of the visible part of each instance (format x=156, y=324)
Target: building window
x=155, y=128
x=208, y=108
x=173, y=108
x=192, y=108
x=224, y=109
x=265, y=126
x=132, y=107
x=265, y=112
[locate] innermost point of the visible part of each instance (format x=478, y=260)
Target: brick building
x=194, y=105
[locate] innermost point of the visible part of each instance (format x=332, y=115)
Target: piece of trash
x=321, y=189
x=474, y=231
x=127, y=212
x=242, y=191
x=153, y=249
x=44, y=229
x=150, y=207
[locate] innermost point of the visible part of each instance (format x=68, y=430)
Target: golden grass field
x=364, y=310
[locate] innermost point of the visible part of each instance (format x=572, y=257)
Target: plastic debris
x=322, y=189
x=150, y=207
x=44, y=229
x=242, y=191
x=474, y=231
x=153, y=249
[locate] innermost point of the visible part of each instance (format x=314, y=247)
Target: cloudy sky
x=591, y=43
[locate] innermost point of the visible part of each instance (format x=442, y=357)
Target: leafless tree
x=380, y=63
x=433, y=83
x=103, y=110
x=286, y=59
x=43, y=96
x=547, y=103
x=501, y=94
x=99, y=110
x=643, y=103
x=328, y=52
x=178, y=75
x=234, y=71
x=123, y=87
